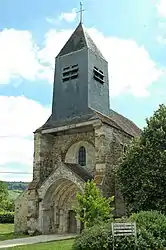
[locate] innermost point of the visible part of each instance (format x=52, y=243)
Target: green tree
x=142, y=173
x=92, y=206
x=3, y=195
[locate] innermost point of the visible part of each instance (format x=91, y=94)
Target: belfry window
x=70, y=73
x=98, y=75
x=82, y=156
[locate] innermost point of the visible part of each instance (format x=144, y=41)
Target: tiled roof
x=127, y=125
x=114, y=120
x=80, y=171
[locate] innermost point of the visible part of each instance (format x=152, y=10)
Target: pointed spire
x=80, y=39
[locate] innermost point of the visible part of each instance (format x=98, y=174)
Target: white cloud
x=19, y=118
x=68, y=16
x=15, y=149
x=131, y=68
x=9, y=173
x=18, y=55
x=161, y=40
x=161, y=7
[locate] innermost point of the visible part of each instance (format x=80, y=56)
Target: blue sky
x=130, y=34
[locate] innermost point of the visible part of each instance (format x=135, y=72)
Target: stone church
x=82, y=139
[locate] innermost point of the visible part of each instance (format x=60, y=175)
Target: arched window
x=82, y=156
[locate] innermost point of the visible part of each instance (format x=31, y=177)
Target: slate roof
x=79, y=40
x=127, y=125
x=80, y=171
x=115, y=120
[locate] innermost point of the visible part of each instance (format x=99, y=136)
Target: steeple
x=81, y=78
x=80, y=39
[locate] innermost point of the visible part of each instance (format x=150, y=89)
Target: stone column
x=33, y=211
x=38, y=157
x=100, y=152
x=41, y=216
x=65, y=225
x=61, y=221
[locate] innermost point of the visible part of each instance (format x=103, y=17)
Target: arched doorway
x=57, y=208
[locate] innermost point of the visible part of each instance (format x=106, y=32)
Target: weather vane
x=81, y=12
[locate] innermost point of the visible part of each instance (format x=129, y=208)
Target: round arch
x=73, y=153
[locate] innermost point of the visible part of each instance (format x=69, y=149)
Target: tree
x=142, y=173
x=3, y=195
x=92, y=206
x=6, y=204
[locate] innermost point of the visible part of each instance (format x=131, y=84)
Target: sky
x=131, y=34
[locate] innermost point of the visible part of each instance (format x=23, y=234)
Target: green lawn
x=6, y=232
x=13, y=194
x=57, y=245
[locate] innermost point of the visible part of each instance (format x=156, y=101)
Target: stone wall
x=21, y=212
x=104, y=147
x=114, y=145
x=109, y=145
x=51, y=150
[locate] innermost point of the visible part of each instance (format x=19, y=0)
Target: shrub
x=153, y=222
x=151, y=234
x=92, y=206
x=95, y=238
x=6, y=217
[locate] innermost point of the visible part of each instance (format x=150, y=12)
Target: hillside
x=17, y=186
x=13, y=194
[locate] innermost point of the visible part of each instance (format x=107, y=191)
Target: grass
x=57, y=245
x=7, y=232
x=13, y=194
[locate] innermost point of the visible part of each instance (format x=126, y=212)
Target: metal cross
x=81, y=12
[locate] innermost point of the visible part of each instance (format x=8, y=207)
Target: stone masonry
x=83, y=139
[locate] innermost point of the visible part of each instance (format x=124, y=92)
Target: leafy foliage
x=150, y=234
x=144, y=167
x=6, y=204
x=153, y=222
x=92, y=206
x=3, y=191
x=6, y=217
x=97, y=237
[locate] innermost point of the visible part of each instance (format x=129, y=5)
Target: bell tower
x=81, y=83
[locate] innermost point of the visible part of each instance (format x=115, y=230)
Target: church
x=83, y=139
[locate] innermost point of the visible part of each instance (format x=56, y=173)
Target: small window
x=70, y=73
x=124, y=148
x=82, y=156
x=98, y=75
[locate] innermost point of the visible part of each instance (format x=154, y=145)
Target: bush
x=95, y=238
x=6, y=217
x=151, y=234
x=99, y=237
x=153, y=222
